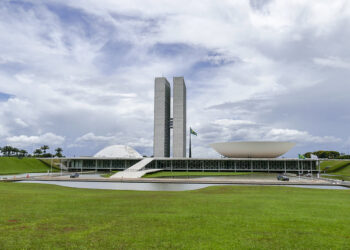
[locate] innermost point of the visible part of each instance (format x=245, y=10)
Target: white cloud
x=91, y=137
x=24, y=78
x=224, y=130
x=115, y=139
x=228, y=122
x=93, y=74
x=3, y=130
x=24, y=140
x=276, y=134
x=333, y=62
x=20, y=122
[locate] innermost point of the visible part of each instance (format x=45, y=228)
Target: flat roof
x=180, y=159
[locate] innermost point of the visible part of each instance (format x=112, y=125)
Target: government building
x=245, y=156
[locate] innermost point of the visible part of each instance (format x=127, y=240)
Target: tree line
x=327, y=154
x=9, y=151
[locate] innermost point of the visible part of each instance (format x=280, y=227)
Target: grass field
x=340, y=169
x=14, y=165
x=336, y=166
x=174, y=174
x=54, y=161
x=38, y=216
x=106, y=175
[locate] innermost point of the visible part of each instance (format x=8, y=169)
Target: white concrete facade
x=193, y=164
x=161, y=141
x=179, y=117
x=253, y=149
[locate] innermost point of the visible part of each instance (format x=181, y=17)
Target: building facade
x=161, y=140
x=179, y=117
x=274, y=165
x=162, y=121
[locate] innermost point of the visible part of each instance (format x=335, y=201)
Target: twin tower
x=162, y=121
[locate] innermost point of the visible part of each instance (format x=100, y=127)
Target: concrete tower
x=161, y=140
x=179, y=117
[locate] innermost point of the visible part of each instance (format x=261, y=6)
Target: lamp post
x=190, y=147
x=51, y=165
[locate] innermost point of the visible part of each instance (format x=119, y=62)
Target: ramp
x=140, y=165
x=136, y=171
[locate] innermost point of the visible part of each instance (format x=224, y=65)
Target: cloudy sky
x=80, y=74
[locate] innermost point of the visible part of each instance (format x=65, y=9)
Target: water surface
x=153, y=186
x=126, y=186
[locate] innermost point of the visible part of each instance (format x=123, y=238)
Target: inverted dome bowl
x=253, y=149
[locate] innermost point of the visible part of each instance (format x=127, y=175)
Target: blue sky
x=80, y=74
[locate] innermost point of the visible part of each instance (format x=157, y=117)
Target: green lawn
x=336, y=166
x=38, y=216
x=54, y=161
x=106, y=175
x=344, y=171
x=14, y=165
x=174, y=174
x=340, y=169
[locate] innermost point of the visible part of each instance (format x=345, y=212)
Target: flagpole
x=190, y=148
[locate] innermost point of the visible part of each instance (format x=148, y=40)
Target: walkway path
x=137, y=170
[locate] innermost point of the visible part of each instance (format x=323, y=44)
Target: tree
x=44, y=148
x=344, y=157
x=7, y=150
x=23, y=153
x=327, y=154
x=324, y=154
x=15, y=151
x=37, y=152
x=59, y=152
x=308, y=155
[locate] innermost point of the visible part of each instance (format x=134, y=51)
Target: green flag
x=301, y=156
x=193, y=132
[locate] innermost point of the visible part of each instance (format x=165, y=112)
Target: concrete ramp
x=140, y=165
x=137, y=170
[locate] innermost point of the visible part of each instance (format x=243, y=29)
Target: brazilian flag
x=301, y=156
x=193, y=132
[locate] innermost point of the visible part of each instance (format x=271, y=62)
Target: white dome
x=253, y=149
x=118, y=151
